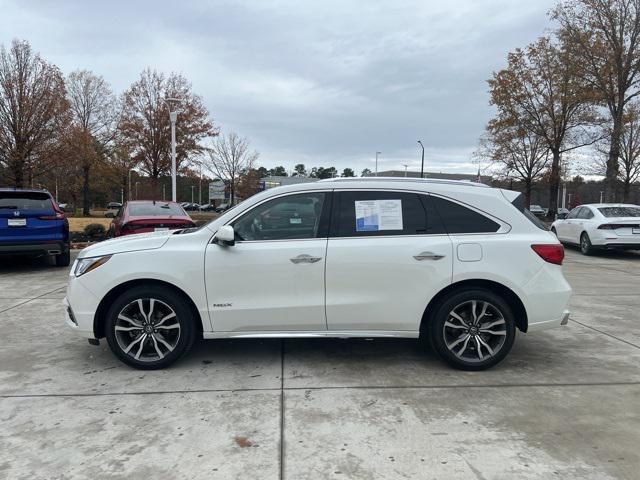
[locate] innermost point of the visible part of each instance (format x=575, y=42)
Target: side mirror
x=225, y=236
x=562, y=216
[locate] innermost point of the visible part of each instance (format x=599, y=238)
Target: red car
x=149, y=216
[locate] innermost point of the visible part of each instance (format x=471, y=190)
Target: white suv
x=459, y=264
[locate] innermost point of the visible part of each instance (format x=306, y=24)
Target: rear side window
x=585, y=213
x=158, y=209
x=25, y=201
x=519, y=204
x=458, y=219
x=376, y=213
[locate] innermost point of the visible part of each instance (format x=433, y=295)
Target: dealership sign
x=216, y=190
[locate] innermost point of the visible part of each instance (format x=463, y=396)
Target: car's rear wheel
x=472, y=330
x=150, y=327
x=585, y=244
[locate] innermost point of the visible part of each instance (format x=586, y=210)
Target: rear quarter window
x=458, y=219
x=519, y=204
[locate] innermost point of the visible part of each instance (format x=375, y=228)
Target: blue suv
x=31, y=223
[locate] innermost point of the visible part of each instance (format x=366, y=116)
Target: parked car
x=207, y=207
x=600, y=226
x=222, y=207
x=142, y=216
x=32, y=223
x=114, y=206
x=537, y=210
x=190, y=207
x=562, y=213
x=450, y=262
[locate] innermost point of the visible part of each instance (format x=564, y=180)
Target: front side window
x=458, y=219
x=284, y=218
x=377, y=213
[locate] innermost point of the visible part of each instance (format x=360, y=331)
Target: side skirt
x=314, y=334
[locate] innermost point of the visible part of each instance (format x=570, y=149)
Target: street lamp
x=377, y=153
x=192, y=188
x=422, y=165
x=137, y=183
x=405, y=169
x=173, y=116
x=129, y=195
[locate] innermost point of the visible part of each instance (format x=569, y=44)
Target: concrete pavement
x=564, y=404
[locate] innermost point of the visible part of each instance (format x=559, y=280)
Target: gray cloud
x=320, y=83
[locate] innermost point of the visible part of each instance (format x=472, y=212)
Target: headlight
x=85, y=265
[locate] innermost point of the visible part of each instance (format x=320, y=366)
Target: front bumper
x=80, y=306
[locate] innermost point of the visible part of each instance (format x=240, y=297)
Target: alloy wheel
x=475, y=331
x=147, y=329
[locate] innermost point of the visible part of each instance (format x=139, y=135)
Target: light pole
x=377, y=153
x=192, y=188
x=173, y=117
x=137, y=183
x=405, y=169
x=129, y=195
x=422, y=164
x=601, y=196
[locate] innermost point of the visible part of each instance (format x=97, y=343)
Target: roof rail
x=467, y=183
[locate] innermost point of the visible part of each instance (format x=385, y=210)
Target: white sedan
x=600, y=226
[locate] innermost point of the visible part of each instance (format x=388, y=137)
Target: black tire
x=445, y=339
x=585, y=244
x=165, y=302
x=63, y=259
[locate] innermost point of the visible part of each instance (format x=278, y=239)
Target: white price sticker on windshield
x=378, y=215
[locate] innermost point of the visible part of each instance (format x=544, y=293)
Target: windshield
x=25, y=201
x=620, y=211
x=158, y=209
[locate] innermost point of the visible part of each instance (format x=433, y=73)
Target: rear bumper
x=34, y=248
x=556, y=322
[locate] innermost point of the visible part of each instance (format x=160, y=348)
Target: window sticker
x=377, y=215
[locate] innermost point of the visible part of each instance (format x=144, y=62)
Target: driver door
x=273, y=277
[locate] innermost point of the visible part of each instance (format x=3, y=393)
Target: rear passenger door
x=387, y=255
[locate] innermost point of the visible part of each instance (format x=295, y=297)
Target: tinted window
x=284, y=218
x=519, y=204
x=585, y=213
x=574, y=213
x=620, y=211
x=158, y=209
x=373, y=213
x=25, y=201
x=459, y=219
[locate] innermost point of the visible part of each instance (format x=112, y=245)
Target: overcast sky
x=321, y=83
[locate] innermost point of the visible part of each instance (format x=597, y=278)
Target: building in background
x=272, y=182
x=471, y=177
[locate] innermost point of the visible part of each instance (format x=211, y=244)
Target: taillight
x=614, y=226
x=552, y=253
x=57, y=216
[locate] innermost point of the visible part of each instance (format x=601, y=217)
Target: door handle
x=428, y=256
x=304, y=258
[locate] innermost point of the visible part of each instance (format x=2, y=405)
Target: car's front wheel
x=150, y=327
x=472, y=330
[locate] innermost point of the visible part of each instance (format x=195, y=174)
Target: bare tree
x=145, y=122
x=94, y=108
x=629, y=171
x=540, y=93
x=33, y=110
x=518, y=154
x=230, y=158
x=604, y=36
